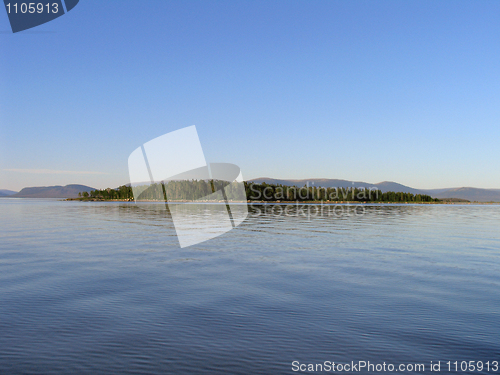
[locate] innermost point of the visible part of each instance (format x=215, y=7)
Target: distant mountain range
x=6, y=193
x=468, y=193
x=68, y=191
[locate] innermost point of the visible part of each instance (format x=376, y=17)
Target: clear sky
x=405, y=91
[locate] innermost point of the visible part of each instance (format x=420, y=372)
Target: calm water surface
x=105, y=288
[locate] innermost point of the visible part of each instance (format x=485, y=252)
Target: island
x=188, y=191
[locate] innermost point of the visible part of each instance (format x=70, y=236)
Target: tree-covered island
x=185, y=191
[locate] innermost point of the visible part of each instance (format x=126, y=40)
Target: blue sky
x=405, y=91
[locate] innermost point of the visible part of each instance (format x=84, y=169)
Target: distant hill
x=466, y=193
x=68, y=191
x=471, y=194
x=326, y=182
x=6, y=193
x=394, y=186
x=454, y=200
x=323, y=182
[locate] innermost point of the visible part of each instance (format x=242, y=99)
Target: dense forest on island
x=211, y=190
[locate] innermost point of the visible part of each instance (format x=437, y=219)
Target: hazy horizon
x=255, y=178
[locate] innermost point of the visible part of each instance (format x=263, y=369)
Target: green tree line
x=198, y=189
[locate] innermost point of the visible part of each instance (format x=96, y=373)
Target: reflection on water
x=105, y=288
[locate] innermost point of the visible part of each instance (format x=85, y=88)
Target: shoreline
x=280, y=202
